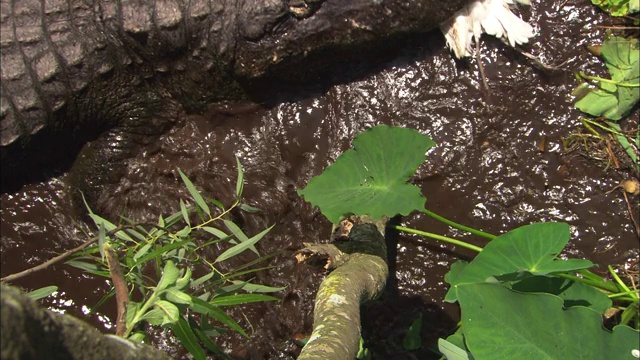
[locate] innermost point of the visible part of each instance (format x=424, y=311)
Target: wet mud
x=487, y=171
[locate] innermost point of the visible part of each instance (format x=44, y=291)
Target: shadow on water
x=485, y=172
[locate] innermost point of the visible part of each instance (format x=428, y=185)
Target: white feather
x=493, y=17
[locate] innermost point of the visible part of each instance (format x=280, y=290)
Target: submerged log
x=358, y=260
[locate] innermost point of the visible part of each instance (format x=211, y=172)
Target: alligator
x=93, y=80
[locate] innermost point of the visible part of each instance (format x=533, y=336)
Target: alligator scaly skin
x=117, y=73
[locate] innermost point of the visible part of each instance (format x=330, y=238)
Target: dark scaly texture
x=121, y=72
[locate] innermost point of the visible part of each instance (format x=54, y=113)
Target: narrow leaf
x=42, y=292
x=238, y=299
x=238, y=233
x=184, y=212
x=249, y=287
x=215, y=232
x=240, y=181
x=216, y=313
x=194, y=193
x=237, y=249
x=187, y=338
x=102, y=238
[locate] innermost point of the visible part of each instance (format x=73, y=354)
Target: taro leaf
x=616, y=97
x=530, y=248
x=573, y=293
x=372, y=177
x=500, y=323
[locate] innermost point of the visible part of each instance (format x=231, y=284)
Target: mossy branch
x=360, y=274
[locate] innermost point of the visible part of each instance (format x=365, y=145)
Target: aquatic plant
x=156, y=263
x=519, y=298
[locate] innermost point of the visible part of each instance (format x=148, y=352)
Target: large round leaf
x=371, y=179
x=529, y=249
x=499, y=323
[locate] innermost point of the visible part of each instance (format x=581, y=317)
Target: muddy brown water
x=485, y=172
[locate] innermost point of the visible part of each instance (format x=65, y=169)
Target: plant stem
x=607, y=286
x=439, y=237
x=459, y=226
x=596, y=78
x=140, y=313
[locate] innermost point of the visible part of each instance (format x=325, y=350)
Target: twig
x=481, y=68
x=633, y=216
x=120, y=286
x=59, y=258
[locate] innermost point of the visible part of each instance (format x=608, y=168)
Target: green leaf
x=187, y=338
x=618, y=7
x=573, y=293
x=42, y=292
x=615, y=98
x=454, y=350
x=500, y=323
x=109, y=226
x=184, y=212
x=195, y=194
x=170, y=274
x=530, y=248
x=238, y=233
x=216, y=232
x=177, y=297
x=138, y=336
x=142, y=251
x=182, y=282
x=154, y=317
x=237, y=249
x=171, y=313
x=160, y=251
x=230, y=300
x=91, y=268
x=248, y=208
x=210, y=345
x=249, y=287
x=102, y=238
x=240, y=180
x=372, y=177
x=412, y=340
x=195, y=283
x=132, y=308
x=216, y=313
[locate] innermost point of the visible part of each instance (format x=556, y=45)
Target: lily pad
x=371, y=179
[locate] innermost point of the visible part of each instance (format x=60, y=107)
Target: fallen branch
x=360, y=271
x=120, y=287
x=60, y=257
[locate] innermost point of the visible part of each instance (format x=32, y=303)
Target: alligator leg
x=135, y=115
